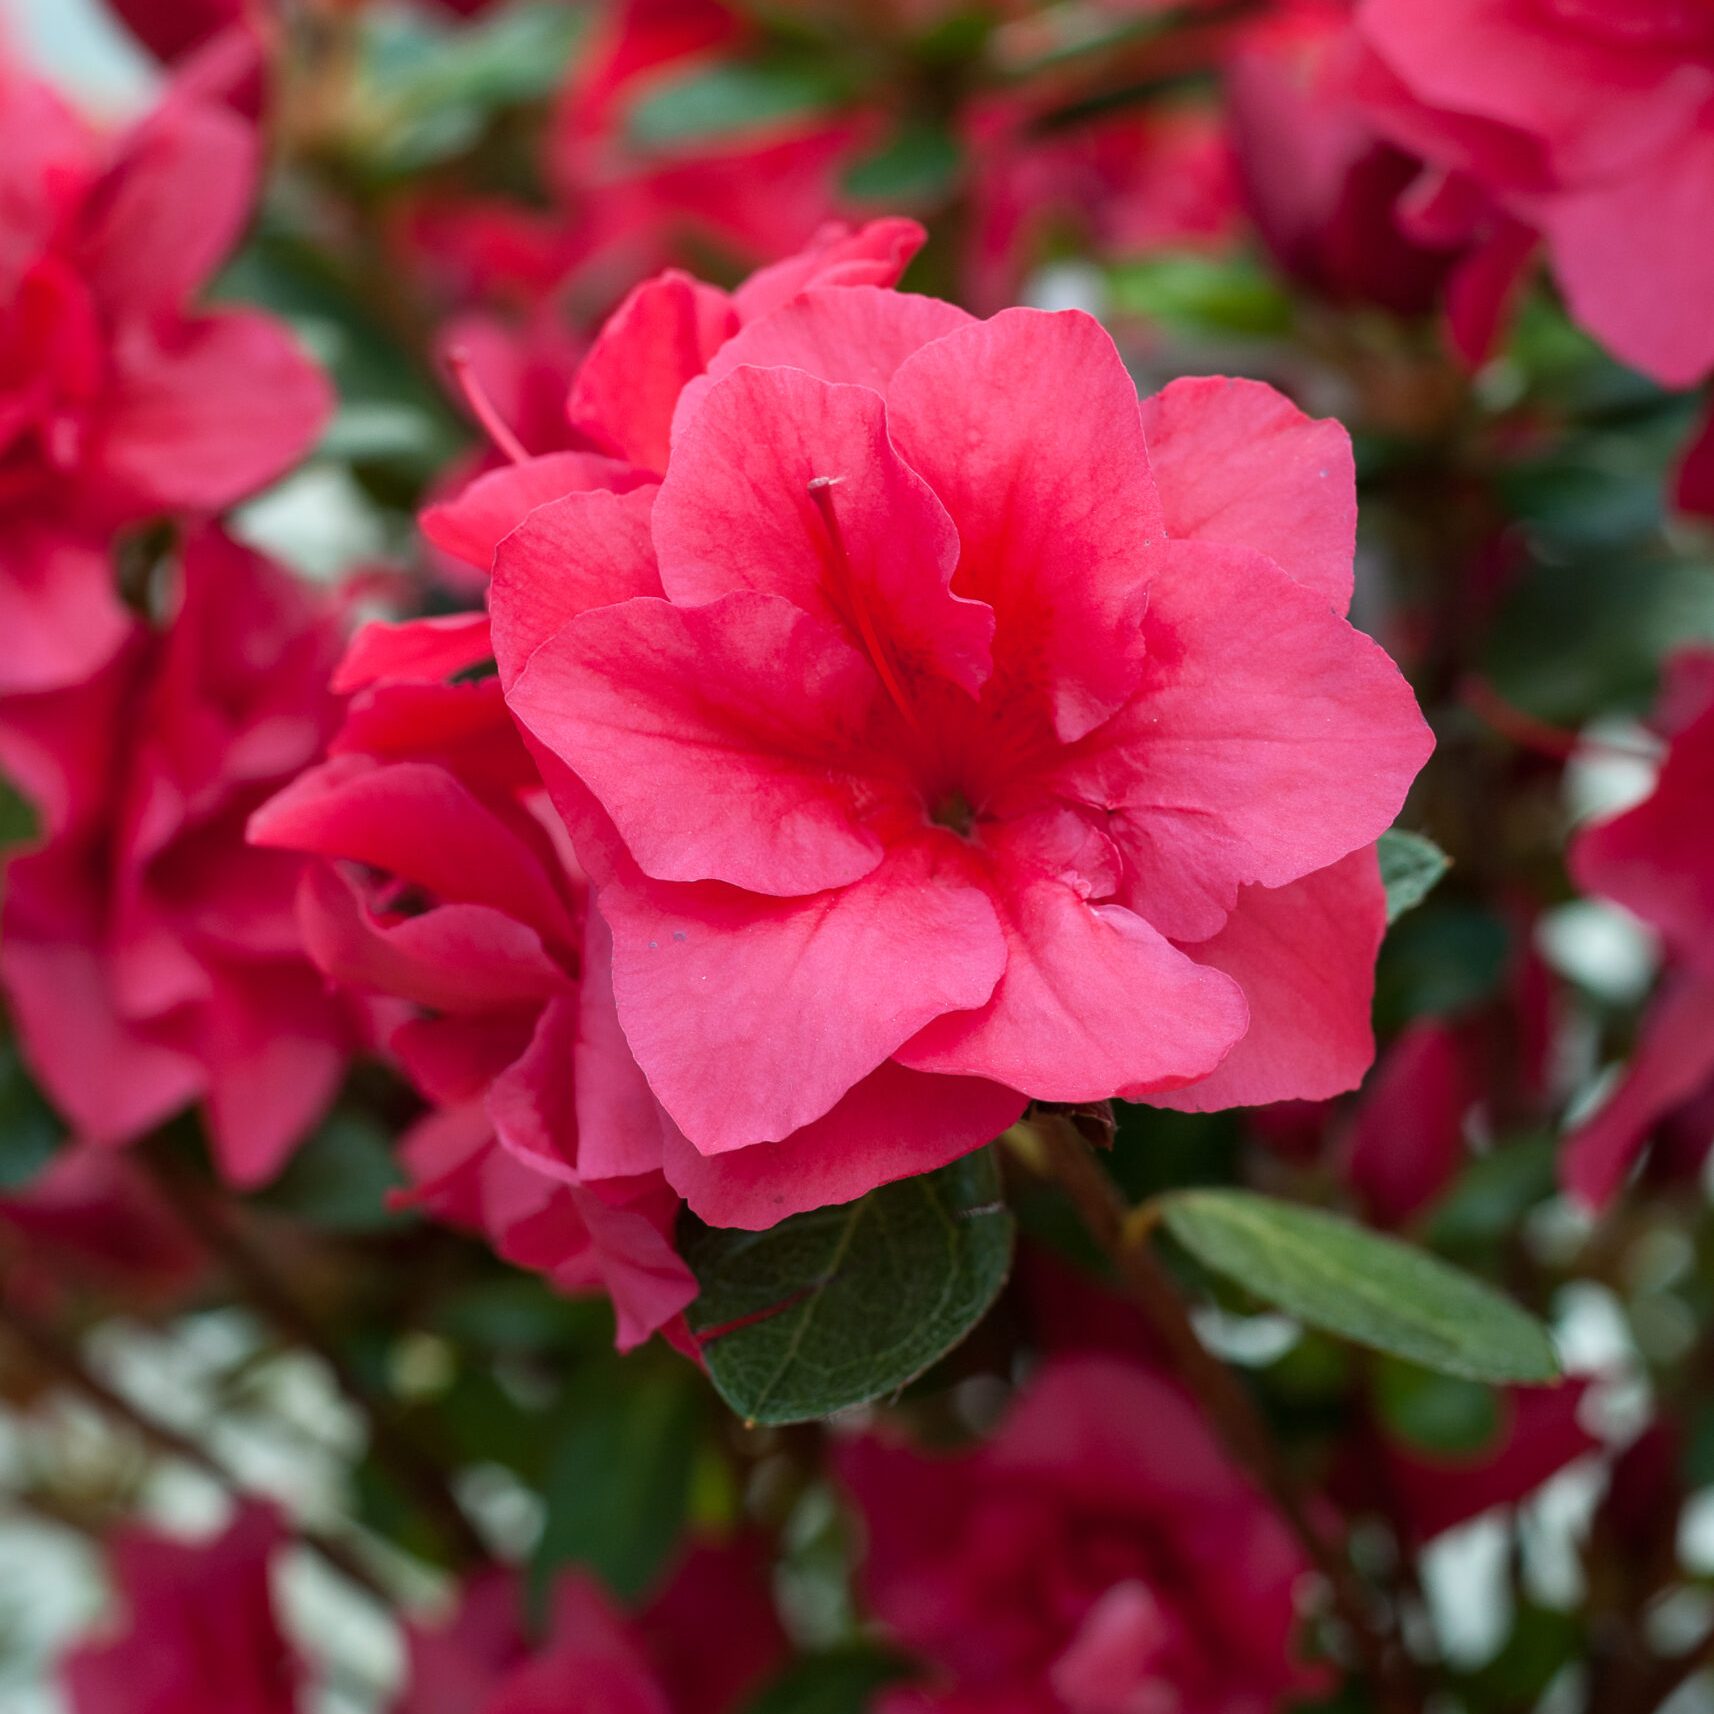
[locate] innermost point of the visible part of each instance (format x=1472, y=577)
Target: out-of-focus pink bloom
x=117, y=401
x=173, y=30
x=200, y=1635
x=1320, y=182
x=1590, y=122
x=1407, y=1142
x=93, y=1221
x=1097, y=1555
x=612, y=427
x=1657, y=860
x=150, y=957
x=759, y=191
x=700, y=1645
x=1537, y=1435
x=444, y=887
x=927, y=719
x=1693, y=483
x=1126, y=186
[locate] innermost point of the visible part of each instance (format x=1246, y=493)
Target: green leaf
x=339, y=1180
x=1439, y=1413
x=843, y=1682
x=919, y=163
x=19, y=823
x=1201, y=294
x=29, y=1133
x=722, y=100
x=619, y=1482
x=1411, y=868
x=841, y=1305
x=1371, y=1290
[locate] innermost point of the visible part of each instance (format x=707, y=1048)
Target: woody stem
x=255, y=1276
x=51, y=1351
x=1107, y=1217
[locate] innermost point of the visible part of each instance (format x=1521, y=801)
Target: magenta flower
x=947, y=731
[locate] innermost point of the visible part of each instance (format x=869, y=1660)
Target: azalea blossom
x=1097, y=1555
x=150, y=957
x=1589, y=123
x=946, y=730
x=1656, y=860
x=699, y=1644
x=200, y=1635
x=445, y=890
x=119, y=401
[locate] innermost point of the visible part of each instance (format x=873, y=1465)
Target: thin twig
x=52, y=1352
x=255, y=1276
x=1108, y=1219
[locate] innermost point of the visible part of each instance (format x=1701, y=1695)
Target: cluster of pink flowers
x=161, y=678
x=829, y=728
x=202, y=1629
x=898, y=739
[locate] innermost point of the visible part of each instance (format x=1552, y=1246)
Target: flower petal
x=1269, y=738
x=854, y=334
x=894, y=1124
x=720, y=739
x=1093, y=1001
x=659, y=338
x=183, y=426
x=471, y=525
x=585, y=550
x=724, y=997
x=1304, y=956
x=1027, y=428
x=1237, y=462
x=875, y=557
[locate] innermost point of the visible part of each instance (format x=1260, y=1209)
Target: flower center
x=952, y=811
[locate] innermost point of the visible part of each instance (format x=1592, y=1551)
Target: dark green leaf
x=720, y=100
x=1439, y=1413
x=1411, y=867
x=1201, y=294
x=842, y=1683
x=1492, y=1195
x=19, y=823
x=29, y=1132
x=1448, y=955
x=919, y=163
x=340, y=1178
x=620, y=1479
x=1372, y=1290
x=842, y=1305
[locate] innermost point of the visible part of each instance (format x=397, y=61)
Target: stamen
x=463, y=368
x=821, y=493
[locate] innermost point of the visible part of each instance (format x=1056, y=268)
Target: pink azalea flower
x=150, y=958
x=200, y=1635
x=93, y=1219
x=614, y=425
x=1657, y=861
x=1590, y=123
x=935, y=742
x=1537, y=1434
x=700, y=1645
x=118, y=402
x=1322, y=185
x=758, y=191
x=445, y=889
x=1097, y=1555
x=1407, y=1142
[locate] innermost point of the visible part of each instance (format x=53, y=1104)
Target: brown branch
x=1107, y=1217
x=416, y=1473
x=52, y=1352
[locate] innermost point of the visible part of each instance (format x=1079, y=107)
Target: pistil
x=821, y=493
